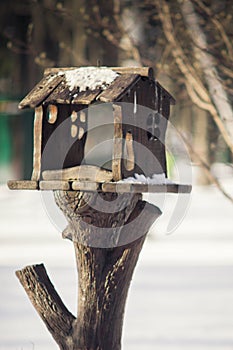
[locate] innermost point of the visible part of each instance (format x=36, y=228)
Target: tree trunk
x=201, y=141
x=108, y=231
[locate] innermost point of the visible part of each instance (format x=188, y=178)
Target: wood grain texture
x=22, y=185
x=54, y=185
x=104, y=273
x=61, y=94
x=129, y=157
x=85, y=186
x=85, y=97
x=117, y=143
x=143, y=188
x=110, y=187
x=55, y=70
x=119, y=87
x=101, y=210
x=81, y=172
x=47, y=303
x=143, y=71
x=41, y=91
x=37, y=143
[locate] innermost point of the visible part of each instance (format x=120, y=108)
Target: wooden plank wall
x=150, y=157
x=59, y=149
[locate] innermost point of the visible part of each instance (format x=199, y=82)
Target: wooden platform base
x=118, y=187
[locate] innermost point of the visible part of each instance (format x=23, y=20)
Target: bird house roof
x=85, y=85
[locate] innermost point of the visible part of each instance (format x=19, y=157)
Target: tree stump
x=108, y=231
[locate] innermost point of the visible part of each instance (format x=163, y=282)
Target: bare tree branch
x=218, y=25
x=207, y=64
x=115, y=33
x=131, y=47
x=47, y=303
x=206, y=167
x=198, y=93
x=177, y=51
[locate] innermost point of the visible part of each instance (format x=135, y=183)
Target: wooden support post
x=117, y=143
x=107, y=231
x=37, y=143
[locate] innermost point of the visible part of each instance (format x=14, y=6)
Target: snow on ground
x=181, y=295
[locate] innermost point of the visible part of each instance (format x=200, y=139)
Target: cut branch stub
x=101, y=219
x=104, y=272
x=47, y=303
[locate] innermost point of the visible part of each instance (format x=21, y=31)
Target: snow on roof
x=89, y=78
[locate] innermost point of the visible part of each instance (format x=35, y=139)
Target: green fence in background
x=5, y=140
x=16, y=139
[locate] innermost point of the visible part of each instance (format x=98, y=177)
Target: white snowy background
x=181, y=296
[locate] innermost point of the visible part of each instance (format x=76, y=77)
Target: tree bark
x=47, y=303
x=108, y=232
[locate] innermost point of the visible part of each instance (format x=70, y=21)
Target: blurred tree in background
x=187, y=42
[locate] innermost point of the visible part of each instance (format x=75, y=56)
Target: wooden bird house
x=96, y=126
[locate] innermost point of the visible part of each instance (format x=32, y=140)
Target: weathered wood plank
x=37, y=149
x=117, y=143
x=41, y=91
x=116, y=187
x=85, y=186
x=129, y=157
x=85, y=97
x=55, y=70
x=143, y=188
x=61, y=94
x=118, y=87
x=143, y=71
x=22, y=185
x=54, y=185
x=165, y=92
x=82, y=173
x=184, y=188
